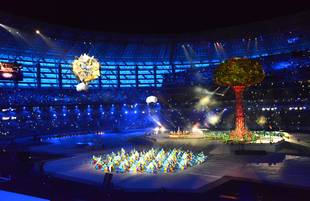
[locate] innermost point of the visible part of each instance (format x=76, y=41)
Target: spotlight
x=37, y=32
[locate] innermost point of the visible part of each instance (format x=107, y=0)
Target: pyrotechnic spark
x=195, y=128
x=213, y=118
x=261, y=120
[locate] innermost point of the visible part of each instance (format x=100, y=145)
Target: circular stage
x=275, y=164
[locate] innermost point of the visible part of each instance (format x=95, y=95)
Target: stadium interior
x=177, y=69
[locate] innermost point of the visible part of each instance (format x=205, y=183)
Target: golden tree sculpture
x=85, y=69
x=239, y=73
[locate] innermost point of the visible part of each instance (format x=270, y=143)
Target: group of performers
x=150, y=161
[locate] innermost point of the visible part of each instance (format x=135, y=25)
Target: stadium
x=47, y=125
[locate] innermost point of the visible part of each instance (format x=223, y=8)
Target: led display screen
x=11, y=71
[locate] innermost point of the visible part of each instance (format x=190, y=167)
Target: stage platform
x=288, y=165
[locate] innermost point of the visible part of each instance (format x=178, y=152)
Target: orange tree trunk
x=240, y=130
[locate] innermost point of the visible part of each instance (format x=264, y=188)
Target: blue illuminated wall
x=135, y=60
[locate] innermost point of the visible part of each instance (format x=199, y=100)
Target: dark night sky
x=152, y=17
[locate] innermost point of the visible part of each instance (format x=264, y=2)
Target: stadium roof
x=152, y=17
x=135, y=59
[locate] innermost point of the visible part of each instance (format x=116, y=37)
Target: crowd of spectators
x=37, y=97
x=279, y=101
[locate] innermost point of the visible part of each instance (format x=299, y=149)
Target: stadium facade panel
x=129, y=60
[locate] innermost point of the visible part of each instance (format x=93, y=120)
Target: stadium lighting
x=37, y=32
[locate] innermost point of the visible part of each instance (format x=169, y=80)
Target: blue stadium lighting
x=88, y=113
x=100, y=106
x=124, y=104
x=64, y=115
x=24, y=108
x=79, y=114
x=292, y=40
x=39, y=116
x=112, y=112
x=126, y=112
x=102, y=113
x=135, y=112
x=54, y=115
x=88, y=106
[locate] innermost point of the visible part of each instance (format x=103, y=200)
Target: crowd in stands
x=37, y=97
x=281, y=100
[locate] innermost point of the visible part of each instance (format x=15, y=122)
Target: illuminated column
x=38, y=76
x=100, y=79
x=16, y=84
x=245, y=48
x=155, y=76
x=137, y=76
x=239, y=107
x=173, y=72
x=59, y=77
x=118, y=77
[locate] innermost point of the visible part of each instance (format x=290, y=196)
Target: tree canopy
x=238, y=72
